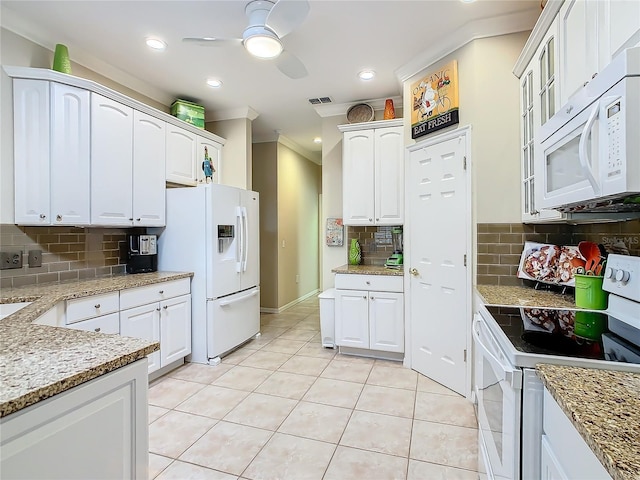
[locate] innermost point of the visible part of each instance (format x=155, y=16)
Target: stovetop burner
x=570, y=333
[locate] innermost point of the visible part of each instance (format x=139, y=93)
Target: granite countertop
x=604, y=406
x=369, y=270
x=523, y=296
x=39, y=361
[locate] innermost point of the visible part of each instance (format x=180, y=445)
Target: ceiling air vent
x=318, y=101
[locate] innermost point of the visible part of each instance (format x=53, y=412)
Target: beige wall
x=235, y=167
x=489, y=102
x=265, y=156
x=289, y=186
x=299, y=182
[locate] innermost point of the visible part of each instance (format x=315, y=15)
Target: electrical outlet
x=35, y=258
x=297, y=278
x=10, y=260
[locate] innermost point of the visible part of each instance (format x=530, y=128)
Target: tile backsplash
x=68, y=253
x=500, y=244
x=375, y=243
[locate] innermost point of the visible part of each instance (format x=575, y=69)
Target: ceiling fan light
x=261, y=43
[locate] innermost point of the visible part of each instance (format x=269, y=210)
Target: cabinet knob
x=364, y=296
x=414, y=272
x=97, y=329
x=569, y=108
x=97, y=305
x=377, y=219
x=371, y=219
x=368, y=282
x=131, y=219
x=43, y=216
x=535, y=212
x=138, y=219
x=372, y=298
x=59, y=218
x=158, y=309
x=165, y=307
x=161, y=292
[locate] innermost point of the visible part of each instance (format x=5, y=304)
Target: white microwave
x=588, y=154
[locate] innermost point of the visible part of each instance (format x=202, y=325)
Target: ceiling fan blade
x=291, y=65
x=212, y=41
x=286, y=15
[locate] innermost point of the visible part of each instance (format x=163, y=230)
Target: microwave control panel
x=614, y=138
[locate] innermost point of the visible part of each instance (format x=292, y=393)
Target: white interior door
x=439, y=224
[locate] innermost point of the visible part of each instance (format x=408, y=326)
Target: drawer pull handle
x=97, y=329
x=97, y=305
x=161, y=292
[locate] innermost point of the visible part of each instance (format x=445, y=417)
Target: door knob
x=414, y=272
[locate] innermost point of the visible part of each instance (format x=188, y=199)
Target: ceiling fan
x=269, y=22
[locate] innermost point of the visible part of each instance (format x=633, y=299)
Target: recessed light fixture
x=317, y=140
x=214, y=83
x=467, y=1
x=366, y=74
x=156, y=43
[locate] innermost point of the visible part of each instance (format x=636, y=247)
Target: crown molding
x=483, y=28
x=335, y=109
x=233, y=114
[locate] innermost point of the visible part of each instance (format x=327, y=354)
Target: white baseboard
x=290, y=304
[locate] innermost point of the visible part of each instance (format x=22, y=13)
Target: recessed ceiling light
x=467, y=1
x=366, y=74
x=317, y=140
x=156, y=43
x=214, y=82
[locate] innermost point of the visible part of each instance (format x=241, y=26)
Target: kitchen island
x=604, y=407
x=74, y=394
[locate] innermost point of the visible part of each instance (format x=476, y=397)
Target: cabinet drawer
x=134, y=297
x=87, y=307
x=104, y=324
x=381, y=283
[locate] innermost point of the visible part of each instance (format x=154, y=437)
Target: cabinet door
x=31, y=130
x=527, y=122
x=549, y=464
x=143, y=322
x=148, y=170
x=181, y=156
x=70, y=155
x=389, y=176
x=358, y=200
x=619, y=26
x=386, y=321
x=579, y=48
x=352, y=318
x=111, y=162
x=175, y=329
x=212, y=150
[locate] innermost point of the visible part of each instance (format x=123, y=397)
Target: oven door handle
x=513, y=376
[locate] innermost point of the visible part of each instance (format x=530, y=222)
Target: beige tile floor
x=283, y=407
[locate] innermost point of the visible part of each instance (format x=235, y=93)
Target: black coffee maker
x=142, y=253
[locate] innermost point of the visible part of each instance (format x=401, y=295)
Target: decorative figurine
x=207, y=167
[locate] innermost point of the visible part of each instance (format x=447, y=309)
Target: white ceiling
x=338, y=39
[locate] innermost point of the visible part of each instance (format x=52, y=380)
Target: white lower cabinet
x=565, y=454
x=97, y=430
x=369, y=318
x=160, y=313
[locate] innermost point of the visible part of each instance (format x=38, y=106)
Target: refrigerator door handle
x=239, y=299
x=240, y=244
x=245, y=235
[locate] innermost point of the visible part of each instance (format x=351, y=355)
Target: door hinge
x=465, y=355
x=465, y=259
x=464, y=162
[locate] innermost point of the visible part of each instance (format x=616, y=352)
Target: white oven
x=508, y=403
x=589, y=152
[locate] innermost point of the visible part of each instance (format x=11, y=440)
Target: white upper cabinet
x=181, y=156
x=373, y=173
x=592, y=33
x=31, y=124
x=211, y=150
x=51, y=153
x=148, y=170
x=111, y=162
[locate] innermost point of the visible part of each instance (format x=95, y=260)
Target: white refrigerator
x=212, y=231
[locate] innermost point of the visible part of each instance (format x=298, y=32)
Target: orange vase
x=389, y=111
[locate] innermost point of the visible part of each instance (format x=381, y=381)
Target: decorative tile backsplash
x=500, y=244
x=375, y=243
x=68, y=253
